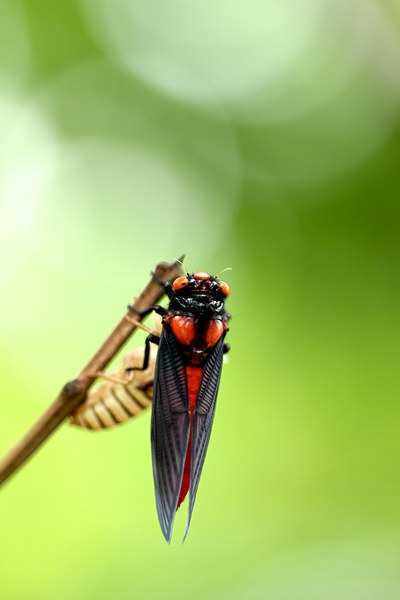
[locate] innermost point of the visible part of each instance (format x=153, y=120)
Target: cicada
x=187, y=375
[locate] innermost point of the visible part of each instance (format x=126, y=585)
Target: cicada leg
x=160, y=310
x=151, y=339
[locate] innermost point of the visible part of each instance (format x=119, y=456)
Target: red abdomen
x=193, y=382
x=186, y=333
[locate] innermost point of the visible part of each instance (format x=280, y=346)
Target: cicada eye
x=180, y=283
x=224, y=288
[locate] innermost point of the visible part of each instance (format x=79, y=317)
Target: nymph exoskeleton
x=121, y=397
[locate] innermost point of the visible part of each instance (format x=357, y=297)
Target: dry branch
x=74, y=392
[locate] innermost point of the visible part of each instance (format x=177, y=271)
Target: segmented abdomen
x=110, y=404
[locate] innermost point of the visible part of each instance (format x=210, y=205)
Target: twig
x=74, y=392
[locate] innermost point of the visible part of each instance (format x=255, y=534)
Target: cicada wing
x=202, y=420
x=169, y=429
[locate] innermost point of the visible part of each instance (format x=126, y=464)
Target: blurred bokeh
x=263, y=136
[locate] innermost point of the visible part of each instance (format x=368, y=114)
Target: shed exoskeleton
x=125, y=394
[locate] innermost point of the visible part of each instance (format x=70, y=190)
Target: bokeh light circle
x=28, y=157
x=205, y=52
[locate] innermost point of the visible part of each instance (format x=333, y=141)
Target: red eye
x=224, y=288
x=180, y=283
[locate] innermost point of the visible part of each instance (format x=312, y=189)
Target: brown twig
x=74, y=392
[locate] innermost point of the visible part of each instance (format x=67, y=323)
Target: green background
x=261, y=136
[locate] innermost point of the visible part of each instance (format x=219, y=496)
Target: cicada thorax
x=110, y=404
x=196, y=335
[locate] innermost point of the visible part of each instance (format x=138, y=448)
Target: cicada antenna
x=224, y=270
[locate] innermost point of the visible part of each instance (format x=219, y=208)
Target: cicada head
x=201, y=284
